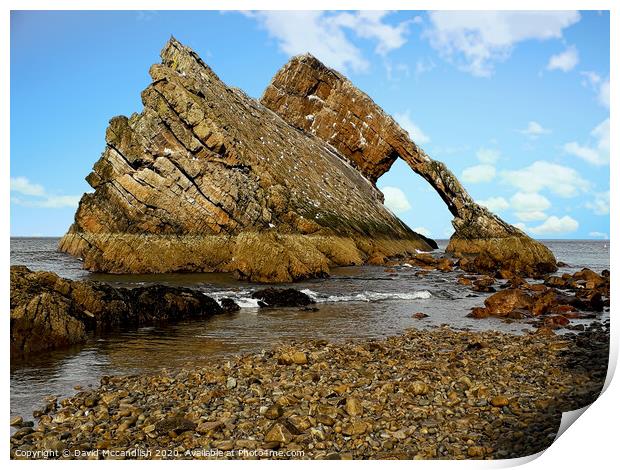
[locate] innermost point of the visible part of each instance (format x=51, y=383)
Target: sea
x=360, y=302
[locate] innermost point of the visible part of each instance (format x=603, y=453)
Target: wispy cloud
x=395, y=199
x=564, y=61
x=560, y=180
x=534, y=130
x=324, y=34
x=37, y=196
x=599, y=85
x=414, y=131
x=555, y=226
x=597, y=152
x=495, y=204
x=477, y=40
x=600, y=203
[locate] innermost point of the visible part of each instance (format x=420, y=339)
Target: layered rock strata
x=206, y=178
x=322, y=102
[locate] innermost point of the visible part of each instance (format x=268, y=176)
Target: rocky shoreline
x=438, y=394
x=51, y=312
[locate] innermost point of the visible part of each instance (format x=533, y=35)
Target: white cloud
x=564, y=61
x=600, y=204
x=529, y=206
x=38, y=196
x=476, y=40
x=534, y=130
x=487, y=155
x=495, y=204
x=395, y=199
x=369, y=25
x=324, y=34
x=423, y=66
x=598, y=153
x=416, y=134
x=24, y=186
x=603, y=235
x=560, y=180
x=478, y=173
x=555, y=226
x=529, y=202
x=423, y=231
x=595, y=82
x=531, y=215
x=591, y=79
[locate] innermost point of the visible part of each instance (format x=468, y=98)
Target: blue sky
x=516, y=104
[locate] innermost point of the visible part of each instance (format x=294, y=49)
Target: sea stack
x=207, y=179
x=324, y=103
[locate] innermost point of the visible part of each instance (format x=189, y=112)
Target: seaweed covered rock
x=50, y=312
x=208, y=179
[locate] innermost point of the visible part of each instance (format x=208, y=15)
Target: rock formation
x=49, y=312
x=206, y=178
x=320, y=101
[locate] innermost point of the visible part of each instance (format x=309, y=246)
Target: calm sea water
x=354, y=303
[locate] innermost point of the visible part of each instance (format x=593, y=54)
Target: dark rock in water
x=49, y=312
x=484, y=284
x=324, y=103
x=207, y=179
x=420, y=315
x=272, y=297
x=506, y=301
x=229, y=305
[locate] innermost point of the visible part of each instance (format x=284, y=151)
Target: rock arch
x=312, y=97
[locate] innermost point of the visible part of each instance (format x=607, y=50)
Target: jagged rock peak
x=206, y=178
x=314, y=98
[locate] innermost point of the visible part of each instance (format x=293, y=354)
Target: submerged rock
x=207, y=179
x=322, y=102
x=49, y=312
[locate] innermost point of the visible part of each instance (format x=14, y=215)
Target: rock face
x=206, y=178
x=49, y=312
x=322, y=102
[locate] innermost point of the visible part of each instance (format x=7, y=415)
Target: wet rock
x=418, y=388
x=177, y=424
x=500, y=400
x=207, y=427
x=484, y=284
x=274, y=412
x=50, y=312
x=556, y=321
x=355, y=428
x=475, y=452
x=229, y=305
x=504, y=302
x=279, y=433
x=17, y=421
x=353, y=406
x=231, y=383
x=420, y=315
x=273, y=297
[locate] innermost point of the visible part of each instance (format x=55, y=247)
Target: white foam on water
x=244, y=300
x=367, y=296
